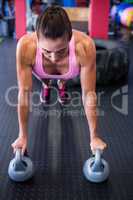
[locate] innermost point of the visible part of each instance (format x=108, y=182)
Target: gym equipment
x=127, y=17
x=112, y=62
x=119, y=10
x=96, y=169
x=20, y=168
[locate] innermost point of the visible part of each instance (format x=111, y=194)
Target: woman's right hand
x=20, y=143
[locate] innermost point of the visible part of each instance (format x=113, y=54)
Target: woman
x=55, y=51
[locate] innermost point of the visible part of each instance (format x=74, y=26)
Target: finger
x=106, y=146
x=12, y=145
x=23, y=149
x=14, y=150
x=93, y=151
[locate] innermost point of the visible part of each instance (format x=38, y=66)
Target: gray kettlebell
x=96, y=169
x=20, y=168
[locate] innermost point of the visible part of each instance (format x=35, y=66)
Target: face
x=54, y=50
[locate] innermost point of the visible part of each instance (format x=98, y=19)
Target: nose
x=53, y=57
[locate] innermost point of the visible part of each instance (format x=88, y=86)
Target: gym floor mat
x=59, y=141
x=1, y=39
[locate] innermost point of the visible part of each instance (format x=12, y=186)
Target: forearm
x=23, y=112
x=92, y=121
x=91, y=114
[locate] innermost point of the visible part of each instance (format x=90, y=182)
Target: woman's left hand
x=97, y=143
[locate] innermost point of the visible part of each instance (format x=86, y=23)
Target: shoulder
x=85, y=46
x=26, y=48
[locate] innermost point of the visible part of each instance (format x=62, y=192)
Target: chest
x=59, y=67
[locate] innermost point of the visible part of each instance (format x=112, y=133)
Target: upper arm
x=23, y=66
x=87, y=59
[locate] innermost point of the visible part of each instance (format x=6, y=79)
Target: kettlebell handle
x=18, y=155
x=98, y=154
x=97, y=162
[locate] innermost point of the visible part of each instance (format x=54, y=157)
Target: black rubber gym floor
x=59, y=141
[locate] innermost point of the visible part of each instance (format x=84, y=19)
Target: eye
x=47, y=51
x=62, y=51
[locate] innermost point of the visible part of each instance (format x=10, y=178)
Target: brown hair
x=54, y=23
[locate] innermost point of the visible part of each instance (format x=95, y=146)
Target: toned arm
x=87, y=58
x=24, y=76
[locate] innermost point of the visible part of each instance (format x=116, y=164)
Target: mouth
x=55, y=61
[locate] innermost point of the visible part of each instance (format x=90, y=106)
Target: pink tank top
x=73, y=71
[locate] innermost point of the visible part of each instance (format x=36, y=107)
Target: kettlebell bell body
x=20, y=168
x=96, y=169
